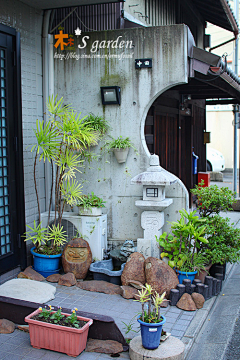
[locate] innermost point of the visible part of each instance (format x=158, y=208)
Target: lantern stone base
x=172, y=348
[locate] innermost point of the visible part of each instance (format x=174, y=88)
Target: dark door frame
x=16, y=149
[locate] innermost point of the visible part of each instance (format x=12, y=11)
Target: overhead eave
x=218, y=12
x=54, y=4
x=210, y=78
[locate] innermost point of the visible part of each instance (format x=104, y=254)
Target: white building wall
x=28, y=21
x=79, y=81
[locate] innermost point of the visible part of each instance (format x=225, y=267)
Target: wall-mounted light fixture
x=111, y=95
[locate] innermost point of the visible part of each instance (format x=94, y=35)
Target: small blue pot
x=151, y=333
x=185, y=275
x=46, y=264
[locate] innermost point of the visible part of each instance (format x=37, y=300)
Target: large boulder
x=6, y=326
x=30, y=273
x=134, y=269
x=186, y=303
x=67, y=279
x=100, y=286
x=198, y=299
x=129, y=292
x=160, y=276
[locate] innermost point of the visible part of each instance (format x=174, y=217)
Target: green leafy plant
x=45, y=313
x=223, y=239
x=72, y=319
x=62, y=142
x=57, y=316
x=98, y=123
x=48, y=240
x=184, y=246
x=153, y=301
x=91, y=200
x=212, y=199
x=119, y=143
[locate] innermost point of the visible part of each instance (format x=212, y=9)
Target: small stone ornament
x=77, y=257
x=128, y=248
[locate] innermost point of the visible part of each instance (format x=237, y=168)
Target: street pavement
x=208, y=334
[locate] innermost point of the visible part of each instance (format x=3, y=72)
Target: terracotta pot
x=203, y=273
x=70, y=341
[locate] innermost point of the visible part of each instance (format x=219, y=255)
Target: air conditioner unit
x=90, y=228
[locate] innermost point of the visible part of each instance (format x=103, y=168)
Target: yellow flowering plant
x=56, y=317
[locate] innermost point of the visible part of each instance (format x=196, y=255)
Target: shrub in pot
x=183, y=247
x=223, y=239
x=150, y=320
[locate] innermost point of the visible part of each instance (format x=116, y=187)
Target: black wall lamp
x=111, y=95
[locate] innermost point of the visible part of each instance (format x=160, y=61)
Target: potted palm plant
x=120, y=148
x=150, y=320
x=61, y=141
x=183, y=247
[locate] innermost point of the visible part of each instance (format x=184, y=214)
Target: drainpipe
x=48, y=89
x=236, y=11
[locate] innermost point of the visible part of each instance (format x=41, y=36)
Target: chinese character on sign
x=60, y=40
x=143, y=63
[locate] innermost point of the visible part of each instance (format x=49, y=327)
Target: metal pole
x=236, y=11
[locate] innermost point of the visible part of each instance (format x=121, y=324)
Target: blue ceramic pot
x=185, y=275
x=46, y=264
x=151, y=333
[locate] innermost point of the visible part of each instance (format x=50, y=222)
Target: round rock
x=77, y=257
x=171, y=349
x=160, y=276
x=134, y=269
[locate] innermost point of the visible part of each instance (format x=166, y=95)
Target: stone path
x=17, y=345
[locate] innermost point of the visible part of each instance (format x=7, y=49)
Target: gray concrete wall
x=28, y=21
x=79, y=81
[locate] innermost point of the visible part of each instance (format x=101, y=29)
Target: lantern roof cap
x=155, y=174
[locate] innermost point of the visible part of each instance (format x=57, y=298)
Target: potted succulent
x=90, y=205
x=57, y=331
x=120, y=148
x=57, y=142
x=150, y=320
x=183, y=247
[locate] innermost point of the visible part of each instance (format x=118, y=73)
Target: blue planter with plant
x=46, y=264
x=151, y=322
x=151, y=333
x=185, y=275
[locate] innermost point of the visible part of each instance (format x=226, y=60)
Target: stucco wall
x=28, y=22
x=79, y=81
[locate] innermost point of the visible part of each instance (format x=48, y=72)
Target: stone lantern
x=154, y=181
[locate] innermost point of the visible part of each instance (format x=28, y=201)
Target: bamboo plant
x=61, y=141
x=153, y=302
